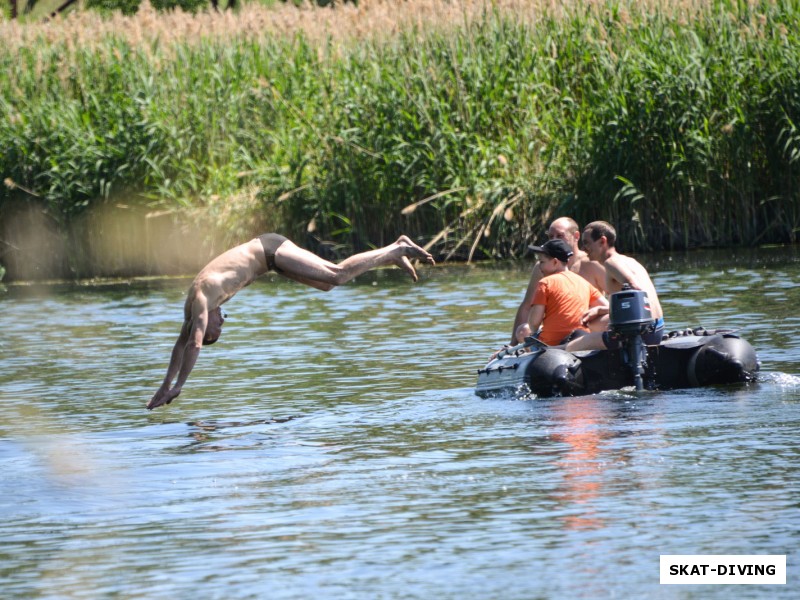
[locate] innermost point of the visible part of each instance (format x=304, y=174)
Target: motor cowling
x=629, y=312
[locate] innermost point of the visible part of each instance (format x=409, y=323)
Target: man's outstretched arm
x=184, y=355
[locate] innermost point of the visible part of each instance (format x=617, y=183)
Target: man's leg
x=306, y=267
x=590, y=341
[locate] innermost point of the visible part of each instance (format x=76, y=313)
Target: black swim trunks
x=271, y=242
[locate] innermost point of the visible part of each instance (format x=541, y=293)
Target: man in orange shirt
x=562, y=228
x=562, y=297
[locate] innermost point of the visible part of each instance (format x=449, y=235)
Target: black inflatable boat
x=683, y=359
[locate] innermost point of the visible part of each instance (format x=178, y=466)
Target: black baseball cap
x=556, y=248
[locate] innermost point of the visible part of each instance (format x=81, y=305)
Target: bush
x=131, y=7
x=126, y=7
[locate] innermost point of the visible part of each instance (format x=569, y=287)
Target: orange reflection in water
x=581, y=424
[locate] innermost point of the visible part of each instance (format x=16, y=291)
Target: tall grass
x=468, y=125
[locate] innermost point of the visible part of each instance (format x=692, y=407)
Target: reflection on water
x=213, y=436
x=330, y=445
x=580, y=429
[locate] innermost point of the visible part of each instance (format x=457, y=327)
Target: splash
x=779, y=379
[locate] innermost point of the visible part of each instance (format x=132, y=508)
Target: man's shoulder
x=547, y=281
x=585, y=265
x=622, y=263
x=577, y=278
x=569, y=274
x=558, y=279
x=620, y=259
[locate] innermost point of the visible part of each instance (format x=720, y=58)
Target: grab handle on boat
x=529, y=341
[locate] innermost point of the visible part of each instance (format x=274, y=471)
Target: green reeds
x=675, y=122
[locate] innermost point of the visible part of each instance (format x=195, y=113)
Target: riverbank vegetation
x=468, y=125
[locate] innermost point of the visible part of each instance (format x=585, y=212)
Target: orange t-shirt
x=565, y=297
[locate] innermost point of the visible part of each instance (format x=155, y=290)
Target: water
x=331, y=446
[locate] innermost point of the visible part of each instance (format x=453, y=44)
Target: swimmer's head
x=214, y=328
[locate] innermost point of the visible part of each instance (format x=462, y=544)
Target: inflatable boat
x=683, y=359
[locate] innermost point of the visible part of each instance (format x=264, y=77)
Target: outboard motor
x=630, y=317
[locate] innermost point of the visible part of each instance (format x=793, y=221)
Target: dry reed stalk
x=342, y=25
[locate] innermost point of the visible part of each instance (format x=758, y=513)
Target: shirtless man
x=599, y=239
x=228, y=273
x=565, y=229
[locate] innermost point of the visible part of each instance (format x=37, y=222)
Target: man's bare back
x=591, y=270
x=622, y=269
x=228, y=273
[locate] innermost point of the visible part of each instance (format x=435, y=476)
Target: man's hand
x=593, y=313
x=493, y=356
x=163, y=396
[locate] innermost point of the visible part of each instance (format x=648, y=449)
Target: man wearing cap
x=562, y=228
x=562, y=298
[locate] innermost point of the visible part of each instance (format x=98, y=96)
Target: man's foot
x=409, y=250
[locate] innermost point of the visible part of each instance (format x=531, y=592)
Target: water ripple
x=330, y=445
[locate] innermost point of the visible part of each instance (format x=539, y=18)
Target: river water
x=331, y=446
